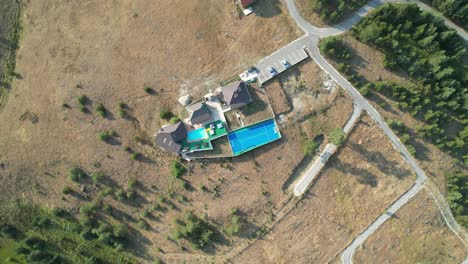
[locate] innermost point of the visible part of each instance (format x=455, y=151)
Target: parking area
x=292, y=54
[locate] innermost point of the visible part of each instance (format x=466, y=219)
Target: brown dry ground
x=416, y=234
x=368, y=62
x=357, y=185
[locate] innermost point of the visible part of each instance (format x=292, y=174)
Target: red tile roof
x=247, y=3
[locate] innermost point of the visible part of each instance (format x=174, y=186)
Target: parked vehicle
x=272, y=71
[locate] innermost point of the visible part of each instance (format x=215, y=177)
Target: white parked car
x=285, y=64
x=272, y=71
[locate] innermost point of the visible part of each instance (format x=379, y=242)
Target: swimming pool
x=254, y=136
x=197, y=134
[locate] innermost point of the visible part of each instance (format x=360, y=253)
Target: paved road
x=303, y=183
x=293, y=53
x=357, y=16
x=314, y=34
x=309, y=175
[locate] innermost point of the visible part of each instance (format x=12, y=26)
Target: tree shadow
x=267, y=8
x=364, y=176
x=380, y=161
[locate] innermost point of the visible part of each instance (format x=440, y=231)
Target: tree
x=309, y=147
x=337, y=137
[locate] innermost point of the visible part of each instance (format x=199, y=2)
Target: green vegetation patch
x=456, y=10
x=10, y=30
x=31, y=234
x=419, y=44
x=336, y=10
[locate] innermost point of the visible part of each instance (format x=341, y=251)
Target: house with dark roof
x=169, y=137
x=199, y=113
x=247, y=3
x=236, y=95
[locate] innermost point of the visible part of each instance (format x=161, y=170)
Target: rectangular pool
x=197, y=134
x=253, y=136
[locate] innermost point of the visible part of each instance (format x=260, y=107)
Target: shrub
x=67, y=190
x=121, y=231
x=177, y=169
x=309, y=147
x=76, y=174
x=59, y=212
x=174, y=119
x=127, y=148
x=132, y=183
x=165, y=114
x=83, y=109
x=142, y=224
x=337, y=137
x=149, y=90
x=121, y=113
x=131, y=195
x=122, y=105
x=138, y=139
x=104, y=136
x=120, y=195
x=145, y=214
x=136, y=155
x=106, y=191
x=101, y=110
x=82, y=100
x=97, y=177
x=107, y=208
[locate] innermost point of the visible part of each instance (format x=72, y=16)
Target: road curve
x=358, y=15
x=314, y=34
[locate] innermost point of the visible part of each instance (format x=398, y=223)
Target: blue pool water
x=254, y=136
x=196, y=135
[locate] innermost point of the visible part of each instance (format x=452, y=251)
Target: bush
x=177, y=169
x=67, y=190
x=136, y=155
x=83, y=109
x=337, y=137
x=142, y=224
x=97, y=177
x=309, y=147
x=104, y=136
x=121, y=113
x=120, y=195
x=82, y=100
x=131, y=195
x=335, y=48
x=149, y=90
x=101, y=110
x=174, y=119
x=165, y=114
x=76, y=174
x=132, y=183
x=122, y=105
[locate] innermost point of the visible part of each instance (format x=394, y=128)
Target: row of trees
x=456, y=10
x=335, y=11
x=418, y=43
x=457, y=192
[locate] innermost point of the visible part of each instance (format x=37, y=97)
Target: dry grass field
x=416, y=234
x=368, y=62
x=364, y=178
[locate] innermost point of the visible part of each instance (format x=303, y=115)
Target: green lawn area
x=8, y=252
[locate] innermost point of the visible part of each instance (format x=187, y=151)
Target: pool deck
x=205, y=144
